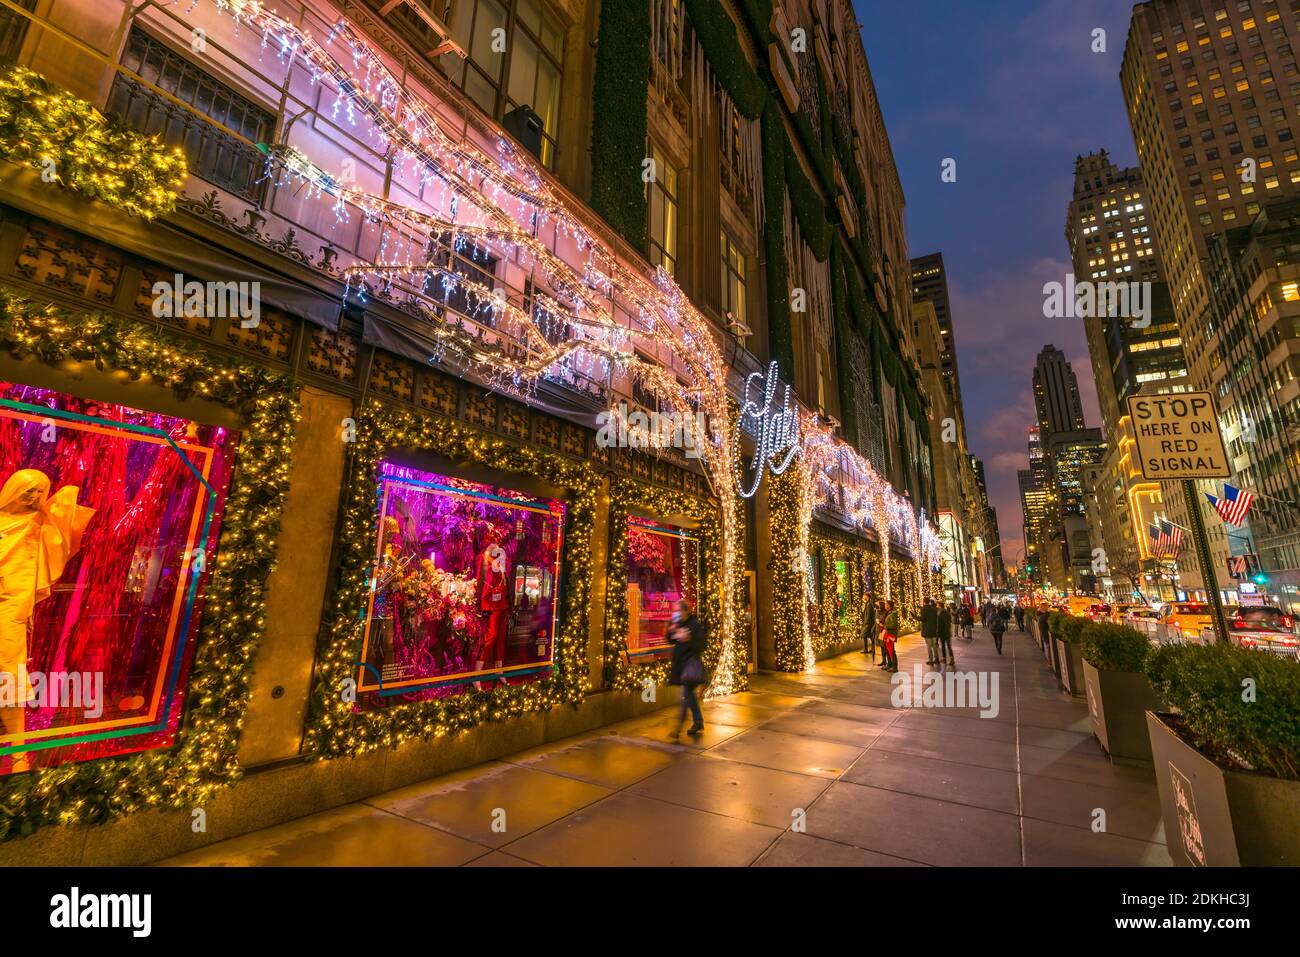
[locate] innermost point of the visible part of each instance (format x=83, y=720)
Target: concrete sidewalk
x=809, y=769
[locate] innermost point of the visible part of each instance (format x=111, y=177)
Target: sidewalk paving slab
x=877, y=785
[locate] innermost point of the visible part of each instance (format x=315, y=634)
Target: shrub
x=1110, y=647
x=1063, y=626
x=1207, y=685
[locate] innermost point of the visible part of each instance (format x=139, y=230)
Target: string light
x=72, y=143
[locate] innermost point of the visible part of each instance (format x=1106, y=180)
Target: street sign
x=1178, y=439
x=1178, y=436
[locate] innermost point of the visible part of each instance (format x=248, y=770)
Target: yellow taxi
x=1187, y=619
x=1078, y=605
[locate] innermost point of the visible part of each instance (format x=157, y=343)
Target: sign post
x=1178, y=439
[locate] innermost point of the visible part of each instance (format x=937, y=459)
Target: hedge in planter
x=1228, y=763
x=1066, y=630
x=1209, y=686
x=1119, y=694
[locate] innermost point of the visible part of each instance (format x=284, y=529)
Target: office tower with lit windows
x=1110, y=241
x=1255, y=324
x=1110, y=238
x=1213, y=96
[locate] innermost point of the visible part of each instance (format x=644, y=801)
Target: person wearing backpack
x=687, y=668
x=997, y=627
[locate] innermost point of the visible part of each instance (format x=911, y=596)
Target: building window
x=462, y=278
x=13, y=30
x=213, y=154
x=663, y=212
x=516, y=58
x=733, y=282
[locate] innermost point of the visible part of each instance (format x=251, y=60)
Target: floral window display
x=663, y=566
x=464, y=589
x=109, y=518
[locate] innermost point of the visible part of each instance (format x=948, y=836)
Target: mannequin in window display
x=493, y=572
x=39, y=534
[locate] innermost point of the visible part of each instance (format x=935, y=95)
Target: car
x=1098, y=611
x=1264, y=627
x=1185, y=620
x=1140, y=613
x=1119, y=611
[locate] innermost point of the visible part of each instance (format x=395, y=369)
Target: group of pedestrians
x=880, y=626
x=940, y=624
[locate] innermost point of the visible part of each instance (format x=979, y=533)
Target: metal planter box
x=1221, y=818
x=1072, y=668
x=1117, y=705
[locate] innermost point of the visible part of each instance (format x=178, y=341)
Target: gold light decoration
x=71, y=143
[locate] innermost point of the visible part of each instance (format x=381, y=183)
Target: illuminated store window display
x=464, y=589
x=109, y=520
x=663, y=567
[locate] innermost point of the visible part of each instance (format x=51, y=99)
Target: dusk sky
x=1013, y=92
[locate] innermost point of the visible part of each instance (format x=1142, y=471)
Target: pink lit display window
x=465, y=587
x=663, y=566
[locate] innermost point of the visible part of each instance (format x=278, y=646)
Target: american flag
x=1234, y=505
x=1166, y=539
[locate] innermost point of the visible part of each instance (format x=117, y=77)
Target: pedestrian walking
x=687, y=668
x=997, y=625
x=945, y=635
x=1020, y=617
x=889, y=635
x=967, y=621
x=930, y=631
x=869, y=628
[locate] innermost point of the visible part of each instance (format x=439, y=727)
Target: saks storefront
x=368, y=532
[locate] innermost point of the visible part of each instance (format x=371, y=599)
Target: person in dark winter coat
x=687, y=668
x=967, y=621
x=930, y=631
x=997, y=625
x=869, y=629
x=945, y=635
x=1020, y=617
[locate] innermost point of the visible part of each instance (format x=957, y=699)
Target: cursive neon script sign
x=777, y=431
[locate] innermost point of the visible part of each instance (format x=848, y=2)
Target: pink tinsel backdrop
x=111, y=610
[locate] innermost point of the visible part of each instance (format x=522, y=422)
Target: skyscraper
x=930, y=283
x=1213, y=101
x=1109, y=232
x=1056, y=393
x=1110, y=240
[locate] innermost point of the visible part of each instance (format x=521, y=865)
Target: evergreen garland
x=618, y=122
